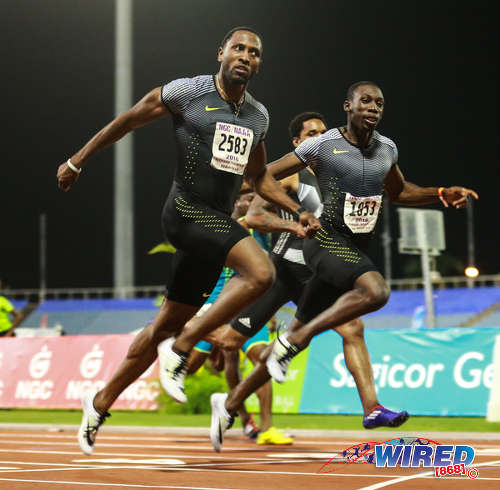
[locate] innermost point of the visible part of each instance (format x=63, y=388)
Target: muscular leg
x=233, y=377
x=369, y=294
x=255, y=274
x=195, y=361
x=142, y=353
x=357, y=360
x=265, y=392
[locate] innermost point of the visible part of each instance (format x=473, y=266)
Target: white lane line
x=119, y=485
x=103, y=436
x=147, y=455
x=177, y=447
x=418, y=475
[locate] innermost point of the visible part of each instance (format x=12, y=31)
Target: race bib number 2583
x=231, y=147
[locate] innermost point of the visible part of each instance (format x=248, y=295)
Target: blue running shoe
x=383, y=417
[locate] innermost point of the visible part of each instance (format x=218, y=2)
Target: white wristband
x=72, y=167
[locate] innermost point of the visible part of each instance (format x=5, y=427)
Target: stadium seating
x=405, y=309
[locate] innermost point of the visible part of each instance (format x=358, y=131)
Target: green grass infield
x=303, y=421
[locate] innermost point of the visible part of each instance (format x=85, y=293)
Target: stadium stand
x=453, y=307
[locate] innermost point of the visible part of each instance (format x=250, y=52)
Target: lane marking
x=147, y=455
x=152, y=446
x=138, y=461
x=412, y=477
x=119, y=485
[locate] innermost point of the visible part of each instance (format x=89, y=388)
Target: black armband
x=299, y=211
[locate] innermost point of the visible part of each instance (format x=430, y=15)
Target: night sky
x=434, y=61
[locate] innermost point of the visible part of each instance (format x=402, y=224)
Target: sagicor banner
x=426, y=372
x=54, y=372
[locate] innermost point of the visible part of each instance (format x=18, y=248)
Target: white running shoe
x=278, y=361
x=221, y=420
x=91, y=421
x=172, y=370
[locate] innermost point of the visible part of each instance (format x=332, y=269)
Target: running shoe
x=279, y=359
x=172, y=370
x=221, y=420
x=91, y=421
x=383, y=417
x=273, y=436
x=251, y=429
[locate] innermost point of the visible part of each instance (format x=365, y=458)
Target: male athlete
x=292, y=275
x=354, y=165
x=220, y=130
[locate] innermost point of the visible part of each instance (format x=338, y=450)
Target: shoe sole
x=399, y=420
x=396, y=422
x=169, y=392
x=215, y=430
x=82, y=442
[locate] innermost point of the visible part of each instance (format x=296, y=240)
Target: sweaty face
x=241, y=56
x=366, y=108
x=310, y=129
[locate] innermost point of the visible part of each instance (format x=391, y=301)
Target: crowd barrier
x=426, y=372
x=54, y=372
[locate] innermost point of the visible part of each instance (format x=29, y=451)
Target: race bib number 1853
x=231, y=147
x=361, y=213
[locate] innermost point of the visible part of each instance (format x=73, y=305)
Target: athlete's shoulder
x=259, y=106
x=177, y=94
x=384, y=140
x=388, y=143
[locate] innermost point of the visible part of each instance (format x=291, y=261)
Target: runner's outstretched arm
x=400, y=191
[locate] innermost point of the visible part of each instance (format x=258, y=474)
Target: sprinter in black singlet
x=292, y=275
x=220, y=130
x=354, y=166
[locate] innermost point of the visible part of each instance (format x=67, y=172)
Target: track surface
x=52, y=460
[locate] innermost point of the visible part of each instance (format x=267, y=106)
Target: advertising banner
x=426, y=372
x=54, y=372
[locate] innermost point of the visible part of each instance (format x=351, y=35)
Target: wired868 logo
x=410, y=452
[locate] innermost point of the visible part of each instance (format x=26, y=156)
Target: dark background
x=434, y=61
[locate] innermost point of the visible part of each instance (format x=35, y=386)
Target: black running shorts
x=203, y=237
x=336, y=260
x=290, y=282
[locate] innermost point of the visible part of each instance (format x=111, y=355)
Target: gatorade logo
x=40, y=363
x=91, y=362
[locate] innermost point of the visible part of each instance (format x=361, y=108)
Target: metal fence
x=153, y=291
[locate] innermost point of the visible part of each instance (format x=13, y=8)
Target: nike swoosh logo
x=336, y=152
x=212, y=108
x=206, y=295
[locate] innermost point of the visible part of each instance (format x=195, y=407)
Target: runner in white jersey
x=354, y=166
x=220, y=130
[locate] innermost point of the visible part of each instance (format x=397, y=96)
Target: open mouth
x=241, y=70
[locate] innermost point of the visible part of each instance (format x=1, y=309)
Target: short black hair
x=229, y=35
x=354, y=86
x=296, y=124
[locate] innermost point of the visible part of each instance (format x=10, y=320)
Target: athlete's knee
x=261, y=277
x=352, y=331
x=376, y=297
x=231, y=344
